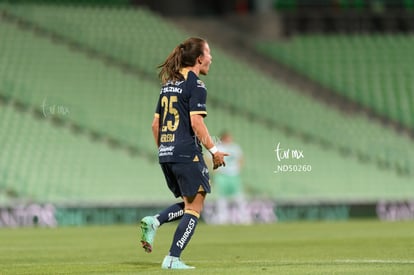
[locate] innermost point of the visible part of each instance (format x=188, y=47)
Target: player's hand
x=218, y=159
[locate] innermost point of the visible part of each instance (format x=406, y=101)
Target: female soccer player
x=179, y=130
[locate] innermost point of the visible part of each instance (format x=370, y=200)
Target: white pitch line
x=374, y=261
x=343, y=261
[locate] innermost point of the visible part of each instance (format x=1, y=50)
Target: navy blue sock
x=183, y=233
x=171, y=213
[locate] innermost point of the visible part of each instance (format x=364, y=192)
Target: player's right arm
x=156, y=129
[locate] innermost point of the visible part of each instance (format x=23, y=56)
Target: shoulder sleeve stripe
x=156, y=115
x=198, y=113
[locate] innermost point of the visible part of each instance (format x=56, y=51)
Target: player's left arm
x=197, y=113
x=201, y=131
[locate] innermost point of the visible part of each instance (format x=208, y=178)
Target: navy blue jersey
x=177, y=102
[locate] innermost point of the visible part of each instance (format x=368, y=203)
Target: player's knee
x=196, y=207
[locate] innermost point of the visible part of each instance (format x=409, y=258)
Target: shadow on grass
x=142, y=264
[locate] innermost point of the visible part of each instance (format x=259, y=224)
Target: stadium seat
x=373, y=70
x=44, y=163
x=48, y=71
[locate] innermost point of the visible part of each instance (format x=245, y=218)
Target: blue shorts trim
x=185, y=179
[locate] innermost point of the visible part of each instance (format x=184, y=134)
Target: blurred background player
x=231, y=203
x=179, y=131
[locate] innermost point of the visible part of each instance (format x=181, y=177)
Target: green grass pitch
x=354, y=247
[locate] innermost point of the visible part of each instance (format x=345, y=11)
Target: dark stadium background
x=333, y=79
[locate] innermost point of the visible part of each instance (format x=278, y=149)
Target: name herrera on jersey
x=171, y=89
x=167, y=138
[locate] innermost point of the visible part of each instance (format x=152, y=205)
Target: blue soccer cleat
x=149, y=226
x=171, y=262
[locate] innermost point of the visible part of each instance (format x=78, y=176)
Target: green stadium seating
x=95, y=96
x=131, y=35
x=374, y=70
x=332, y=177
x=44, y=163
x=47, y=70
x=54, y=165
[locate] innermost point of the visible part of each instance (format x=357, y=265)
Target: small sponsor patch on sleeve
x=200, y=84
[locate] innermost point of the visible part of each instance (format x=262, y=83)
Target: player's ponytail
x=184, y=55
